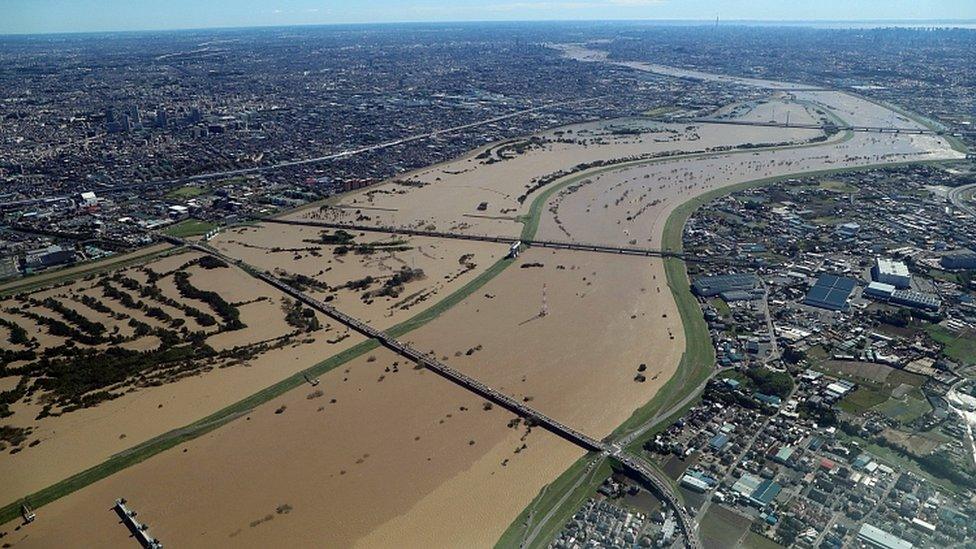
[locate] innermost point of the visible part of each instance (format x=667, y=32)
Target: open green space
x=190, y=227
x=186, y=191
x=904, y=410
x=874, y=394
x=838, y=186
x=661, y=111
x=861, y=400
x=959, y=347
x=755, y=541
x=721, y=307
x=722, y=528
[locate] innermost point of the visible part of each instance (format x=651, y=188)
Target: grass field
x=721, y=528
x=190, y=227
x=861, y=400
x=837, y=186
x=904, y=410
x=661, y=111
x=872, y=393
x=187, y=191
x=755, y=541
x=960, y=347
x=721, y=306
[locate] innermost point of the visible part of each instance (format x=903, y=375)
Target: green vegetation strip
x=954, y=142
x=190, y=227
x=172, y=438
x=533, y=217
x=186, y=191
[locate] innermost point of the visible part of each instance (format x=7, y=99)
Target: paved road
x=534, y=533
x=956, y=196
x=749, y=445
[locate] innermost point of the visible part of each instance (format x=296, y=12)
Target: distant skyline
x=55, y=16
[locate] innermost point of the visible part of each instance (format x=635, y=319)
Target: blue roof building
x=830, y=292
x=719, y=441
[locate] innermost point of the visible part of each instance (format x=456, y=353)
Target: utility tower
x=545, y=302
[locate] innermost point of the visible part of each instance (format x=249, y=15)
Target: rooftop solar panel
x=830, y=292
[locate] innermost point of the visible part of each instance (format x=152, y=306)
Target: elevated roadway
x=958, y=197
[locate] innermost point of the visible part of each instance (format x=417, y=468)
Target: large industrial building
x=830, y=292
x=959, y=260
x=732, y=287
x=891, y=272
x=876, y=537
x=908, y=298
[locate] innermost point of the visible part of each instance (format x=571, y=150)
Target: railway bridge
x=634, y=465
x=554, y=244
x=812, y=126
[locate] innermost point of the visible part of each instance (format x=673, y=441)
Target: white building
x=891, y=272
x=876, y=537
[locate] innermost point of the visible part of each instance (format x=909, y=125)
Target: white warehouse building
x=891, y=272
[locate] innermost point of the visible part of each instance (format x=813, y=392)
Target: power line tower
x=545, y=302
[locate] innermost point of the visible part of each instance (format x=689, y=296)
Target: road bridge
x=554, y=244
x=633, y=464
x=823, y=127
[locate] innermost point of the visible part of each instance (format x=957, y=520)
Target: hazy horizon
x=26, y=17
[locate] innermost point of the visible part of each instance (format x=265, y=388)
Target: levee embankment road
x=379, y=452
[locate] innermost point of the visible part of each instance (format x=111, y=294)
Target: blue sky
x=34, y=16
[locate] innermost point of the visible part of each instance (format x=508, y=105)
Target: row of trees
x=227, y=312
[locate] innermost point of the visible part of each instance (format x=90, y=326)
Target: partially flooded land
x=486, y=191
x=379, y=452
x=108, y=361
x=378, y=278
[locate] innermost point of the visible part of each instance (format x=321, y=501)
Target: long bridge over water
x=635, y=465
x=554, y=244
x=824, y=127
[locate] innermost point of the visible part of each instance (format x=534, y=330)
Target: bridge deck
x=555, y=244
